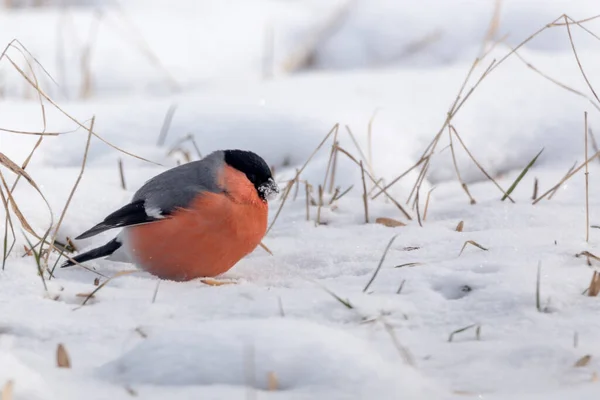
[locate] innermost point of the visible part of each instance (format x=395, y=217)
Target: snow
x=280, y=325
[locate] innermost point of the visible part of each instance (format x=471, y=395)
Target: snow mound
x=299, y=354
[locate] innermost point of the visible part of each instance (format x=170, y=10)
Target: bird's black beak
x=269, y=190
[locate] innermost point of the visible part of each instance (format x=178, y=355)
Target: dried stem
x=365, y=196
x=587, y=184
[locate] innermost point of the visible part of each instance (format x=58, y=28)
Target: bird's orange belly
x=205, y=240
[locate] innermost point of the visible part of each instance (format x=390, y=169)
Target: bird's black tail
x=98, y=252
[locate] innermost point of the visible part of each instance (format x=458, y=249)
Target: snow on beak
x=269, y=190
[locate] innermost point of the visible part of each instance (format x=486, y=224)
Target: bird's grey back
x=178, y=186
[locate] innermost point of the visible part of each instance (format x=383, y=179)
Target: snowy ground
x=280, y=332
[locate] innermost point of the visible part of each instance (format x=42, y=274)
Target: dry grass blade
x=587, y=81
x=403, y=351
x=265, y=248
x=370, y=141
x=460, y=226
x=594, y=288
x=345, y=302
x=331, y=157
x=333, y=171
x=418, y=211
x=472, y=243
x=451, y=337
x=389, y=222
x=319, y=206
x=307, y=187
x=17, y=210
x=427, y=203
x=587, y=184
x=62, y=357
x=593, y=139
x=556, y=82
x=479, y=165
x=521, y=175
x=567, y=177
x=37, y=254
x=8, y=390
x=462, y=183
x=291, y=183
x=492, y=27
x=345, y=192
x=365, y=196
x=553, y=192
x=588, y=255
x=360, y=151
x=100, y=286
x=535, y=189
x=410, y=264
x=8, y=163
x=216, y=282
x=583, y=361
x=122, y=175
x=538, y=283
x=7, y=223
x=164, y=130
x=273, y=383
x=387, y=248
x=155, y=294
x=401, y=286
x=66, y=207
x=31, y=133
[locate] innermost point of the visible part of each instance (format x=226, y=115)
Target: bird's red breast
x=205, y=239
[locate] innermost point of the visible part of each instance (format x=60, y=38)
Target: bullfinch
x=195, y=220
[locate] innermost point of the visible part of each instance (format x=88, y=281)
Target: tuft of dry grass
x=460, y=226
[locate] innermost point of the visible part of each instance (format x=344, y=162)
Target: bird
x=196, y=220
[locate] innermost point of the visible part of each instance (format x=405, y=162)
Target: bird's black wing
x=134, y=213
